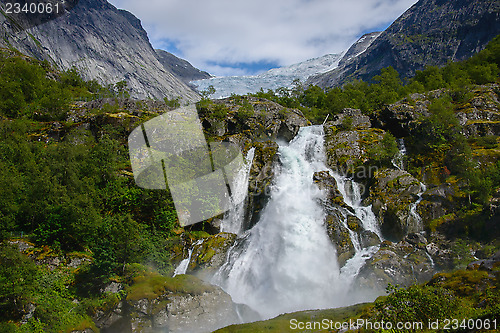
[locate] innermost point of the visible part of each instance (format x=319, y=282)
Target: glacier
x=284, y=76
x=272, y=79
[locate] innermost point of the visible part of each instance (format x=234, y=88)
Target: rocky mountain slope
x=359, y=47
x=181, y=68
x=432, y=32
x=103, y=43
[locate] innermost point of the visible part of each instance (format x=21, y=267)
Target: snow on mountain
x=272, y=79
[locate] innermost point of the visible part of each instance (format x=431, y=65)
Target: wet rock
x=340, y=237
x=354, y=223
x=486, y=264
x=416, y=239
x=260, y=180
x=398, y=264
x=369, y=238
x=194, y=306
x=210, y=255
x=328, y=184
x=392, y=194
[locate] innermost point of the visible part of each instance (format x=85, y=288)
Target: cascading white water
x=233, y=218
x=398, y=162
x=351, y=191
x=184, y=264
x=352, y=194
x=286, y=262
x=413, y=209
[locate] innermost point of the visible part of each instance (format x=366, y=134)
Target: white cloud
x=214, y=33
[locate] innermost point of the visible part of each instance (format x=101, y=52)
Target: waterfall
x=398, y=162
x=234, y=217
x=413, y=208
x=184, y=264
x=286, y=262
x=352, y=193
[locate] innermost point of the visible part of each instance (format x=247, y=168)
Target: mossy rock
x=154, y=285
x=211, y=253
x=353, y=223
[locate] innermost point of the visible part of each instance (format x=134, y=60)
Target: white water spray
x=286, y=262
x=234, y=217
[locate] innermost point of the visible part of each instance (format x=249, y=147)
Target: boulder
x=392, y=195
x=180, y=304
x=210, y=254
x=257, y=118
x=352, y=118
x=481, y=115
x=402, y=117
x=398, y=264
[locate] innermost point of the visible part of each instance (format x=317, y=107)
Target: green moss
x=434, y=224
x=464, y=282
x=154, y=285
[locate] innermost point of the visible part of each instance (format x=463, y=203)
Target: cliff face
x=182, y=69
x=432, y=32
x=103, y=43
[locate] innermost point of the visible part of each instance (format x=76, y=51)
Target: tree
x=205, y=94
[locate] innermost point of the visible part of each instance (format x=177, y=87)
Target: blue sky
x=241, y=37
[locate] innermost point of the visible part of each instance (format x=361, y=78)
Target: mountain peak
x=431, y=32
x=103, y=43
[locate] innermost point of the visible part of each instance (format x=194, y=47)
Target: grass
x=286, y=322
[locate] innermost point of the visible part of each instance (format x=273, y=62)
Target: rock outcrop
x=392, y=195
x=180, y=304
x=403, y=263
